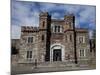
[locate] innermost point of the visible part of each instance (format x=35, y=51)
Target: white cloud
x=22, y=13
x=87, y=15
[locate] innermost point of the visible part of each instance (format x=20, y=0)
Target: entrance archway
x=57, y=52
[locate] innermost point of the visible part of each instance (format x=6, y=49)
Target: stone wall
x=85, y=45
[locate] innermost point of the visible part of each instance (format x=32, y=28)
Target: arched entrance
x=57, y=52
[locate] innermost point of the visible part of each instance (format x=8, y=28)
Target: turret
x=44, y=20
x=69, y=21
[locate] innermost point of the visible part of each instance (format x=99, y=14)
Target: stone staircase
x=56, y=64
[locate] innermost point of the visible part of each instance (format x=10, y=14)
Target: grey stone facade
x=54, y=40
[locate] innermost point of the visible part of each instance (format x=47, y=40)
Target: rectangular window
x=82, y=53
x=30, y=39
x=43, y=25
x=81, y=39
x=29, y=54
x=57, y=29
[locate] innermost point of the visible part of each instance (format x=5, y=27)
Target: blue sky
x=27, y=14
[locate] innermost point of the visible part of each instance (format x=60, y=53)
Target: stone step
x=55, y=64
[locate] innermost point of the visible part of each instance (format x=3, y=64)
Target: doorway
x=57, y=55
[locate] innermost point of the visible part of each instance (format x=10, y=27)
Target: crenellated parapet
x=44, y=14
x=29, y=29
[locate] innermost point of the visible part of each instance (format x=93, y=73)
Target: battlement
x=44, y=13
x=29, y=29
x=81, y=30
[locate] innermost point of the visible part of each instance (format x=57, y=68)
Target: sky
x=27, y=14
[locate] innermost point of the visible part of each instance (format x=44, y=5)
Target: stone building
x=54, y=40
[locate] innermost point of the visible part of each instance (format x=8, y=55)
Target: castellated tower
x=70, y=37
x=69, y=21
x=44, y=35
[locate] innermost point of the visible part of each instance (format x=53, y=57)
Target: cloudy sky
x=27, y=14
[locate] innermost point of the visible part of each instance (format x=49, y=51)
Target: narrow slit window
x=42, y=37
x=43, y=24
x=70, y=38
x=58, y=28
